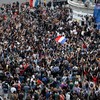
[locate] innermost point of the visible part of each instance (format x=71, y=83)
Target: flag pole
x=41, y=3
x=52, y=4
x=30, y=2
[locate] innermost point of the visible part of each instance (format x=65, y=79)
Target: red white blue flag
x=60, y=39
x=34, y=3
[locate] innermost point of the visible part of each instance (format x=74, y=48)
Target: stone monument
x=81, y=8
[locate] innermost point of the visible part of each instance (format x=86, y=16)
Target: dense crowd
x=35, y=66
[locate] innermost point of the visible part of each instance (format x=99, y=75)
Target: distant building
x=81, y=8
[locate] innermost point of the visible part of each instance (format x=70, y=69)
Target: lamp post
x=87, y=4
x=52, y=4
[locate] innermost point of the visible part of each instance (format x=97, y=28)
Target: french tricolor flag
x=34, y=3
x=60, y=39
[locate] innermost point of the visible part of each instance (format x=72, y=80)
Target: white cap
x=13, y=89
x=33, y=76
x=76, y=82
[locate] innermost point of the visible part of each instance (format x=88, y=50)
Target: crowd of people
x=35, y=66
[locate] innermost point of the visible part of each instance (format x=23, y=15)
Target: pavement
x=11, y=1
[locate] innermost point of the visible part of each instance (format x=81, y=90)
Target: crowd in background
x=33, y=66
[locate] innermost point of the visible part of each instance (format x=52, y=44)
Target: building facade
x=81, y=8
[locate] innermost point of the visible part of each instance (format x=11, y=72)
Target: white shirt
x=1, y=91
x=67, y=96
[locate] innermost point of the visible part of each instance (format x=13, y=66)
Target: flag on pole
x=34, y=3
x=60, y=39
x=96, y=15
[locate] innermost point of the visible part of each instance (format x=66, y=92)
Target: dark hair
x=98, y=2
x=91, y=85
